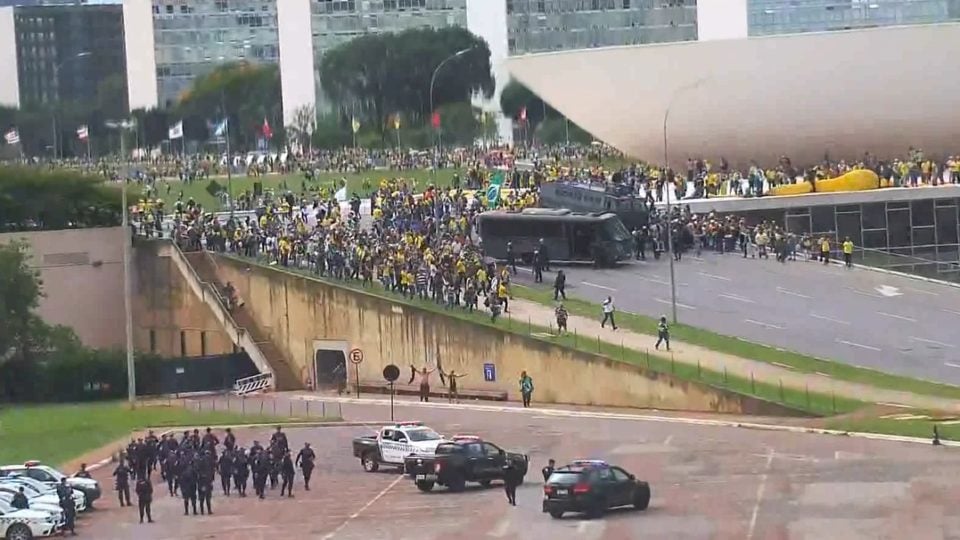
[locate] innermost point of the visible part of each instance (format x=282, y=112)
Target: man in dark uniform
x=19, y=500
x=537, y=267
x=188, y=487
x=205, y=490
x=260, y=469
x=548, y=470
x=122, y=474
x=511, y=479
x=241, y=471
x=279, y=438
x=229, y=440
x=287, y=471
x=65, y=494
x=131, y=455
x=305, y=459
x=511, y=258
x=83, y=472
x=255, y=449
x=225, y=468
x=144, y=497
x=210, y=441
x=152, y=450
x=275, y=455
x=560, y=286
x=544, y=254
x=168, y=471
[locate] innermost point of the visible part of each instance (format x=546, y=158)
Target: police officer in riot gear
x=305, y=459
x=122, y=475
x=287, y=472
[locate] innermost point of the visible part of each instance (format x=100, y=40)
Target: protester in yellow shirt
x=848, y=252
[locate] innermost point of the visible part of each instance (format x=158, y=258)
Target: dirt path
x=685, y=353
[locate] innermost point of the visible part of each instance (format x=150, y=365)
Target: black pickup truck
x=460, y=460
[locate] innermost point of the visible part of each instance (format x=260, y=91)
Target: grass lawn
x=297, y=183
x=809, y=402
x=909, y=428
x=58, y=433
x=747, y=349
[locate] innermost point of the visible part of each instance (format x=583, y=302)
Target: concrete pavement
x=885, y=322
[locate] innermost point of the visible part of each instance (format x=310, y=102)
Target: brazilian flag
x=493, y=190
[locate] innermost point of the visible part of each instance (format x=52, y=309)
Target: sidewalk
x=710, y=360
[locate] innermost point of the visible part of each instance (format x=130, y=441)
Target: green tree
x=377, y=75
x=560, y=130
x=515, y=96
x=459, y=124
x=38, y=199
x=249, y=93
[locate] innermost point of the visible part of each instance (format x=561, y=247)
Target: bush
x=37, y=199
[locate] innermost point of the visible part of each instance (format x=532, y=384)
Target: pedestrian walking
x=187, y=480
x=305, y=460
x=537, y=267
x=848, y=252
x=144, y=491
x=225, y=468
x=68, y=507
x=663, y=333
x=559, y=286
x=825, y=250
x=511, y=258
x=548, y=470
x=526, y=388
x=561, y=315
x=287, y=472
x=511, y=479
x=608, y=310
x=241, y=471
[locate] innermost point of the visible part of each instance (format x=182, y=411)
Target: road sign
x=391, y=373
x=356, y=356
x=489, y=372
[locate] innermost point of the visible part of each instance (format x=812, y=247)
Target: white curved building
x=841, y=93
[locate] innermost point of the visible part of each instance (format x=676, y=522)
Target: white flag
x=82, y=133
x=176, y=130
x=12, y=137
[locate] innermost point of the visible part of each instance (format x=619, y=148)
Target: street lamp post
x=670, y=190
x=56, y=77
x=433, y=78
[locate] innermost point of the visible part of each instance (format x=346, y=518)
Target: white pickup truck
x=393, y=443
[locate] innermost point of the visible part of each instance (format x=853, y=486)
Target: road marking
x=654, y=280
x=825, y=318
x=737, y=298
x=604, y=287
x=932, y=342
x=858, y=345
x=760, y=489
x=667, y=441
x=864, y=293
x=921, y=291
x=888, y=291
x=763, y=324
x=900, y=405
x=792, y=293
x=356, y=514
x=667, y=302
x=950, y=311
x=895, y=316
x=948, y=364
x=714, y=276
x=784, y=366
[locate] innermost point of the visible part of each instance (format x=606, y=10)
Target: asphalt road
x=895, y=324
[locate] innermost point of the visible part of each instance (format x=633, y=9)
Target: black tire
x=425, y=486
x=456, y=482
x=369, y=462
x=597, y=509
x=556, y=514
x=641, y=496
x=19, y=531
x=485, y=483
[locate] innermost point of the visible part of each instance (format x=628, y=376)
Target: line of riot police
x=190, y=465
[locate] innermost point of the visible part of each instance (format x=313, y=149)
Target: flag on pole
x=355, y=124
x=176, y=131
x=12, y=136
x=523, y=115
x=435, y=120
x=493, y=191
x=265, y=130
x=83, y=133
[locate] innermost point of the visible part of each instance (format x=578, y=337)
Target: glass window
x=922, y=213
x=874, y=216
x=798, y=224
x=823, y=219
x=924, y=236
x=876, y=239
x=946, y=225
x=898, y=228
x=849, y=225
x=491, y=449
x=620, y=475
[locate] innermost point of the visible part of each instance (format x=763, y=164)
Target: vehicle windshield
x=423, y=434
x=57, y=475
x=564, y=478
x=613, y=229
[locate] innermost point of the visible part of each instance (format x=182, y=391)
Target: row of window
x=573, y=6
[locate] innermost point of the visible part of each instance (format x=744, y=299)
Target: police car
x=50, y=476
x=393, y=443
x=33, y=488
x=25, y=524
x=44, y=503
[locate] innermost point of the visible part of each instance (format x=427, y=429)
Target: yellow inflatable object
x=856, y=180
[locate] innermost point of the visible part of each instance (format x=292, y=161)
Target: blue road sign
x=489, y=372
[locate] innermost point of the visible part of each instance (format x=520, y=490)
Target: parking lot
x=708, y=482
